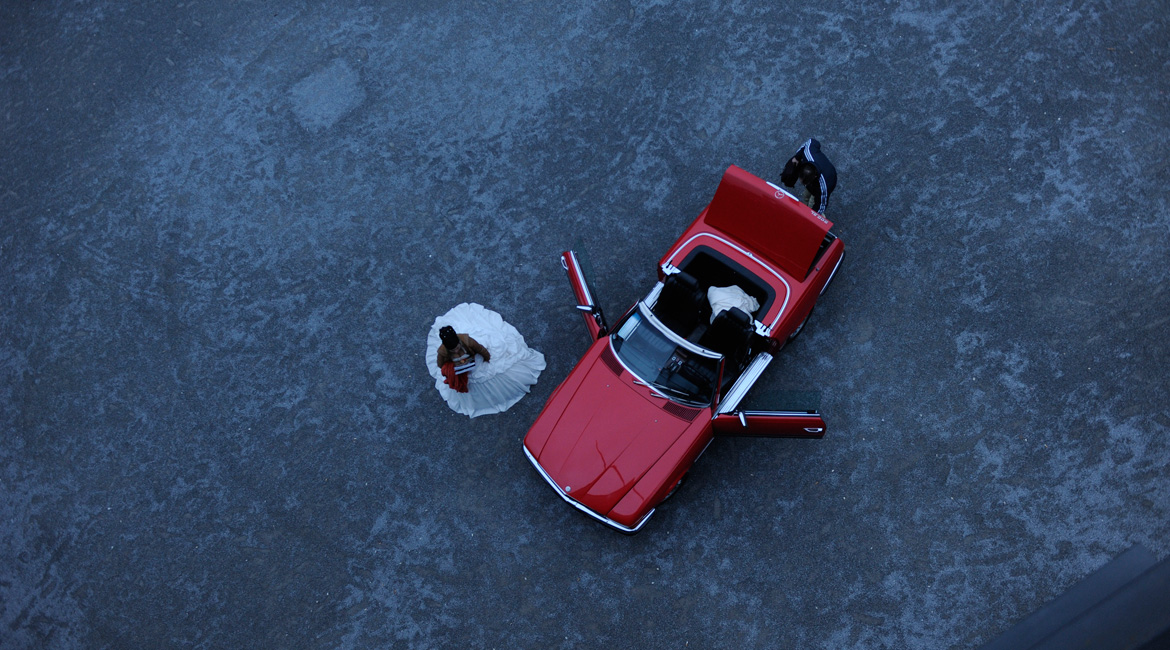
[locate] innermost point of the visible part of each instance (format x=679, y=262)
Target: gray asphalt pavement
x=225, y=228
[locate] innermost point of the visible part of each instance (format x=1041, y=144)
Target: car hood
x=606, y=435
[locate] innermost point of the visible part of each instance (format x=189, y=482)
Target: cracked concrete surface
x=227, y=226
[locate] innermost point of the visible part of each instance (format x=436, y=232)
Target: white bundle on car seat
x=722, y=298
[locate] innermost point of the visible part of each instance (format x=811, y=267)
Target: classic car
x=618, y=436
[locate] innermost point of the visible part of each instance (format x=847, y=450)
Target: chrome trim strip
x=782, y=413
x=830, y=280
x=787, y=287
x=745, y=382
x=638, y=380
x=702, y=452
x=605, y=520
x=781, y=189
x=644, y=309
x=580, y=274
x=652, y=297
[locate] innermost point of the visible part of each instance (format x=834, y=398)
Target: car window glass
x=653, y=357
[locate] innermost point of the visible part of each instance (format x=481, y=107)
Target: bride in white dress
x=494, y=385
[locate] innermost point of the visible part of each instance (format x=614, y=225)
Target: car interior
x=714, y=269
x=730, y=334
x=683, y=307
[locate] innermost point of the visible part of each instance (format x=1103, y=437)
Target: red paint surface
x=598, y=440
x=606, y=441
x=769, y=221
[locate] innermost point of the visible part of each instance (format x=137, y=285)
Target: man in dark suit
x=815, y=172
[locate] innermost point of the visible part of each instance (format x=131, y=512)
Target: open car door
x=770, y=424
x=791, y=415
x=586, y=297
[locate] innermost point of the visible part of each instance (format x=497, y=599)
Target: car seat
x=681, y=303
x=730, y=335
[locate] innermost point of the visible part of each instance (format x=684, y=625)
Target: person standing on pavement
x=815, y=171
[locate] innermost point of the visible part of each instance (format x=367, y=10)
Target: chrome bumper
x=605, y=520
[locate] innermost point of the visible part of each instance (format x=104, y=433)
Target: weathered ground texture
x=225, y=228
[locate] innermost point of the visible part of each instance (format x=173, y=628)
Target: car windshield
x=684, y=372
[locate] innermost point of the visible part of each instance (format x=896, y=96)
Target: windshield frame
x=667, y=392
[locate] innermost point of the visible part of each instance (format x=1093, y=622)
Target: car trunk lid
x=778, y=226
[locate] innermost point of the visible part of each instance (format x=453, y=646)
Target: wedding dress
x=494, y=385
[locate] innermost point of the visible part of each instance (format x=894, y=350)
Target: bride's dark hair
x=448, y=336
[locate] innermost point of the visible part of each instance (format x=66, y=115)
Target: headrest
x=733, y=317
x=681, y=281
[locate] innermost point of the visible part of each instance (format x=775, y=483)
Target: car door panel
x=586, y=299
x=770, y=424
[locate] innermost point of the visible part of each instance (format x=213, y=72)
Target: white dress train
x=494, y=385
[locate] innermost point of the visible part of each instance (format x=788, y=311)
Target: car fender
x=651, y=489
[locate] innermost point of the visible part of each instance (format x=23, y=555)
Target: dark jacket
x=466, y=344
x=810, y=153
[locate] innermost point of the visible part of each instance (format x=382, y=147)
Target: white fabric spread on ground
x=494, y=385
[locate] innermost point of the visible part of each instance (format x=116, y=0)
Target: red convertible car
x=619, y=434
